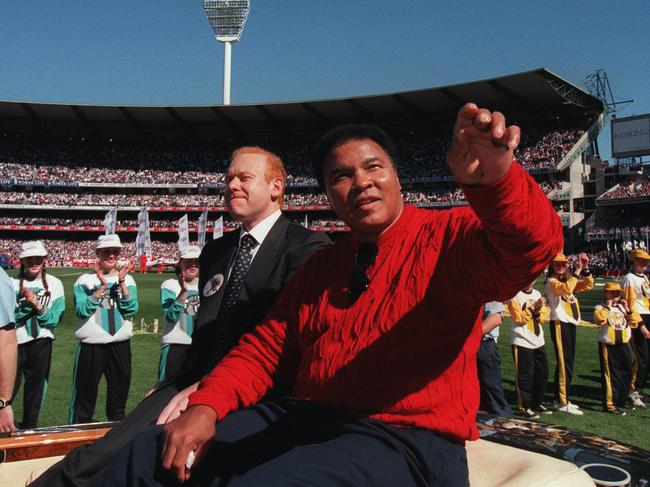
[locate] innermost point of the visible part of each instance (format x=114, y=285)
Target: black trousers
x=641, y=349
x=296, y=442
x=34, y=363
x=615, y=372
x=112, y=360
x=82, y=464
x=172, y=357
x=563, y=336
x=488, y=361
x=531, y=376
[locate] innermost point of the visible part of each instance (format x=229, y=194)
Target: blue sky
x=163, y=52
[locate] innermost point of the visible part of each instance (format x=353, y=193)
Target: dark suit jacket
x=283, y=251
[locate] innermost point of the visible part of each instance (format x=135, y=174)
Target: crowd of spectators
x=65, y=252
x=69, y=199
x=599, y=262
x=317, y=223
x=638, y=187
x=540, y=150
x=141, y=162
x=619, y=233
x=101, y=199
x=98, y=222
x=139, y=200
x=166, y=224
x=167, y=162
x=422, y=198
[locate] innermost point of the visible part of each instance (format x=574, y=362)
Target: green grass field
x=146, y=350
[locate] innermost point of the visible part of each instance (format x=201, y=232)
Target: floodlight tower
x=227, y=18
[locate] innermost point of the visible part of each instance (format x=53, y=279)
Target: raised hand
x=31, y=298
x=126, y=269
x=483, y=146
x=577, y=268
x=100, y=274
x=182, y=284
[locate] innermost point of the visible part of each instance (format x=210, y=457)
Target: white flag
x=203, y=227
x=143, y=240
x=183, y=233
x=218, y=228
x=110, y=221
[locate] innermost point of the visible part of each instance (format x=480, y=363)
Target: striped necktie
x=224, y=333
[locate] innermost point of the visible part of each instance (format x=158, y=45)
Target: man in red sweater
x=376, y=335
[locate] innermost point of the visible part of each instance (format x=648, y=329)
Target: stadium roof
x=533, y=92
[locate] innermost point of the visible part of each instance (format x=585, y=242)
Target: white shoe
x=570, y=409
x=636, y=400
x=530, y=414
x=556, y=405
x=574, y=406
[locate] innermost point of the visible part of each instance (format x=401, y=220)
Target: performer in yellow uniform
x=636, y=291
x=616, y=320
x=561, y=286
x=529, y=350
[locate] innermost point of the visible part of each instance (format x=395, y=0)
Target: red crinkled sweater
x=405, y=351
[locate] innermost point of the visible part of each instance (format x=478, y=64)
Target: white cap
x=33, y=249
x=109, y=242
x=190, y=252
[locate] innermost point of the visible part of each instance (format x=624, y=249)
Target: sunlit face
x=640, y=265
x=363, y=188
x=559, y=268
x=250, y=197
x=189, y=268
x=33, y=265
x=108, y=258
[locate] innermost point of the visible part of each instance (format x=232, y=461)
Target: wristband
x=121, y=280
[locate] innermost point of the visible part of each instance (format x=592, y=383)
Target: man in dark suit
x=241, y=275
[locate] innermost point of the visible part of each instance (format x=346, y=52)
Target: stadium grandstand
x=620, y=198
x=62, y=167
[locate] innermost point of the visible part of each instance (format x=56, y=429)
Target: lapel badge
x=213, y=285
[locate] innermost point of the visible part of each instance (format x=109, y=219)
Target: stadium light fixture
x=227, y=18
